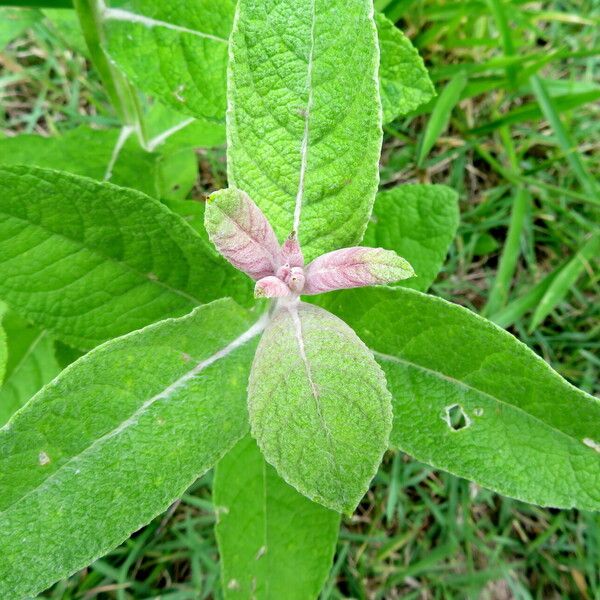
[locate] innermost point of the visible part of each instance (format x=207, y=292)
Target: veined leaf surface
x=175, y=50
x=319, y=407
x=471, y=399
x=88, y=152
x=304, y=117
x=404, y=81
x=91, y=261
x=419, y=223
x=116, y=438
x=3, y=346
x=31, y=364
x=273, y=541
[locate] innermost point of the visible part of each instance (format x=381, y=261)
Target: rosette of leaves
x=294, y=397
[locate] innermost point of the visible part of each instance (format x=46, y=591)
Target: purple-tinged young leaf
x=291, y=253
x=241, y=233
x=271, y=287
x=354, y=267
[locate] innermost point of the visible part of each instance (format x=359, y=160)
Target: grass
x=519, y=138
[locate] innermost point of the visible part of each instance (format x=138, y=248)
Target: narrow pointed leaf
x=404, y=82
x=418, y=222
x=116, y=438
x=319, y=407
x=241, y=233
x=32, y=363
x=288, y=542
x=566, y=279
x=471, y=399
x=176, y=51
x=90, y=261
x=440, y=116
x=304, y=127
x=355, y=267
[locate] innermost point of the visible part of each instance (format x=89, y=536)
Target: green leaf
x=169, y=131
x=566, y=279
x=440, y=117
x=304, y=125
x=116, y=438
x=319, y=407
x=419, y=223
x=91, y=261
x=3, y=345
x=471, y=399
x=288, y=542
x=31, y=364
x=67, y=26
x=14, y=21
x=403, y=79
x=88, y=152
x=176, y=51
x=178, y=173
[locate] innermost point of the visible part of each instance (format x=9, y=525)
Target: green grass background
x=522, y=147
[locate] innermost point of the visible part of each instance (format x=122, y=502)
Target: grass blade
x=562, y=136
x=440, y=116
x=565, y=280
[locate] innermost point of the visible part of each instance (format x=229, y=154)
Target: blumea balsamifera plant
x=293, y=397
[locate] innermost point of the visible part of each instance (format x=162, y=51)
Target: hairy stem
x=121, y=93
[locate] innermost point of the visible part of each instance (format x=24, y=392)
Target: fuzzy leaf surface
x=418, y=222
x=116, y=438
x=273, y=541
x=31, y=364
x=3, y=345
x=404, y=81
x=169, y=131
x=304, y=118
x=176, y=51
x=91, y=261
x=87, y=152
x=319, y=407
x=527, y=433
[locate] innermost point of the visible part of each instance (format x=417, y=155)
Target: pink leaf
x=291, y=254
x=354, y=267
x=242, y=233
x=271, y=287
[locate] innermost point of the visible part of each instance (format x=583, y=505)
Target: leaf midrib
x=238, y=342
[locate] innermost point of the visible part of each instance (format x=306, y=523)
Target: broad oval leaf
x=404, y=81
x=118, y=436
x=304, y=126
x=31, y=364
x=288, y=543
x=176, y=50
x=91, y=261
x=471, y=399
x=319, y=407
x=418, y=222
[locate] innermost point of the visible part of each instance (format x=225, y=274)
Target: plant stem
x=121, y=93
